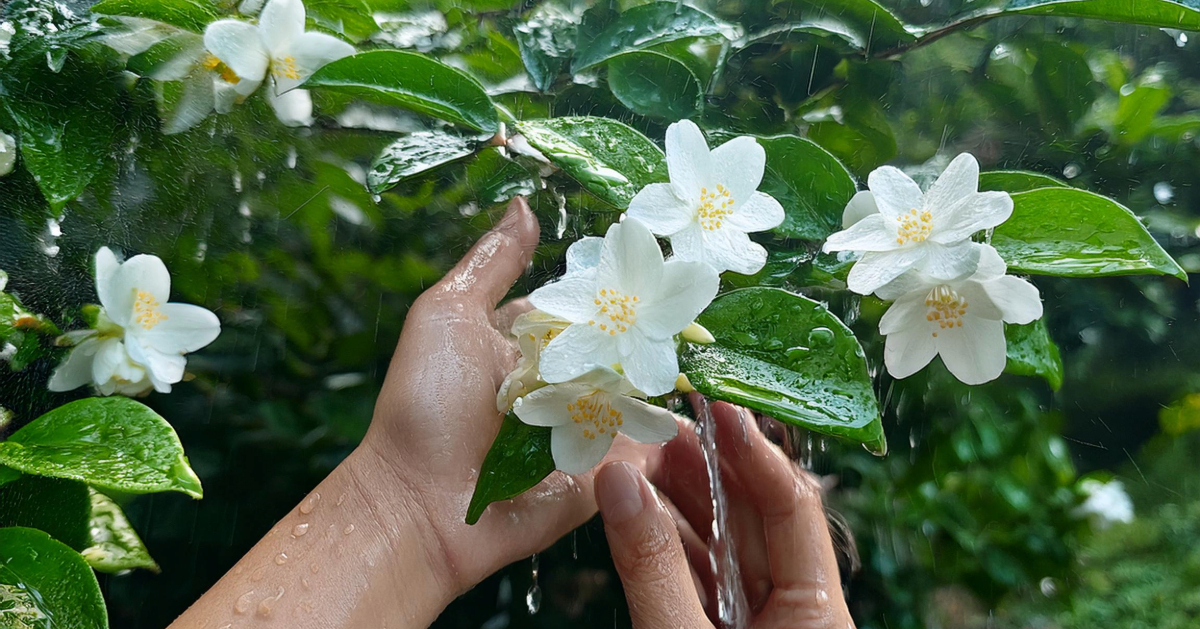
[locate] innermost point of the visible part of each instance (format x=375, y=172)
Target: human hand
x=436, y=415
x=786, y=557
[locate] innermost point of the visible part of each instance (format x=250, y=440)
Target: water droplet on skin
x=281, y=559
x=310, y=503
x=257, y=575
x=300, y=530
x=314, y=568
x=267, y=605
x=341, y=499
x=243, y=603
x=348, y=530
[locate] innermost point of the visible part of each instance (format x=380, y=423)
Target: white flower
x=279, y=46
x=586, y=414
x=929, y=231
x=960, y=320
x=8, y=153
x=533, y=331
x=1106, y=503
x=711, y=202
x=626, y=311
x=139, y=336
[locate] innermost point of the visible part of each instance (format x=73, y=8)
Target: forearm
x=356, y=552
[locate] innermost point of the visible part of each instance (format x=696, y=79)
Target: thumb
x=484, y=276
x=647, y=552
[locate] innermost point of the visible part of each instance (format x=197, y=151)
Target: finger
x=508, y=313
x=804, y=566
x=484, y=276
x=647, y=552
x=697, y=555
x=683, y=476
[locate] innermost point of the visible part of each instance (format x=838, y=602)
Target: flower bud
x=8, y=153
x=696, y=333
x=683, y=385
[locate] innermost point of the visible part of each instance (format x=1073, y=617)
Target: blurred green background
x=970, y=520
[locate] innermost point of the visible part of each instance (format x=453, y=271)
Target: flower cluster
x=952, y=295
x=139, y=339
x=603, y=337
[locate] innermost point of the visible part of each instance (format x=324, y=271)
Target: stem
x=968, y=21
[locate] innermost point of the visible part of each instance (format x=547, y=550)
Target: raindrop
x=348, y=530
x=341, y=499
x=732, y=606
x=267, y=605
x=314, y=568
x=291, y=157
x=1163, y=192
x=1048, y=587
x=820, y=338
x=300, y=530
x=310, y=503
x=281, y=559
x=1180, y=37
x=243, y=603
x=1072, y=170
x=533, y=598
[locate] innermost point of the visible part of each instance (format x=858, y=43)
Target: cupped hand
x=778, y=526
x=436, y=416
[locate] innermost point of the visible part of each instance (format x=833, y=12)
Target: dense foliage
x=310, y=242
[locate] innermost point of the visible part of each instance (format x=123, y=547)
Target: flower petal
x=895, y=192
x=572, y=297
x=163, y=369
x=661, y=210
x=194, y=105
x=688, y=244
x=76, y=369
x=861, y=205
x=759, y=213
x=293, y=108
x=686, y=290
x=184, y=328
x=732, y=250
x=872, y=233
x=950, y=262
x=548, y=405
x=975, y=353
x=644, y=422
x=739, y=164
x=688, y=162
x=981, y=211
x=650, y=364
x=907, y=351
x=907, y=313
x=903, y=285
x=959, y=181
x=107, y=266
x=631, y=260
x=1018, y=300
x=238, y=45
x=574, y=453
x=280, y=24
x=991, y=265
x=307, y=54
x=575, y=351
x=584, y=254
x=877, y=268
x=139, y=274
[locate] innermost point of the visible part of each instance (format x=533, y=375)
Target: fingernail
x=514, y=210
x=620, y=493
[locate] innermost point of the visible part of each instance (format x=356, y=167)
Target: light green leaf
x=414, y=154
x=1013, y=181
x=113, y=545
x=546, y=40
x=192, y=15
x=1031, y=352
x=110, y=443
x=43, y=583
x=645, y=27
x=1064, y=231
x=788, y=357
x=518, y=459
x=351, y=18
x=1138, y=108
x=1181, y=14
x=610, y=159
x=875, y=26
x=412, y=81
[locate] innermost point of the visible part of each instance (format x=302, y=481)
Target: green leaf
x=1063, y=82
x=811, y=184
x=22, y=329
x=412, y=81
x=1137, y=109
x=1184, y=14
x=110, y=443
x=656, y=83
x=54, y=505
x=546, y=40
x=1031, y=352
x=645, y=27
x=788, y=357
x=351, y=18
x=519, y=459
x=43, y=584
x=610, y=159
x=1014, y=181
x=192, y=15
x=862, y=139
x=871, y=23
x=113, y=545
x=1069, y=232
x=414, y=154
x=8, y=474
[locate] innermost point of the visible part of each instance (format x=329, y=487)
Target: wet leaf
x=414, y=154
x=546, y=41
x=110, y=443
x=1162, y=13
x=192, y=15
x=786, y=356
x=43, y=581
x=872, y=24
x=1013, y=181
x=1069, y=232
x=657, y=83
x=8, y=474
x=23, y=329
x=54, y=505
x=611, y=159
x=113, y=545
x=518, y=459
x=1031, y=352
x=351, y=18
x=412, y=81
x=862, y=140
x=644, y=27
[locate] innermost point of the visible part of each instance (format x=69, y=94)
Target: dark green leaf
x=192, y=15
x=878, y=28
x=1014, y=181
x=546, y=41
x=110, y=443
x=1063, y=81
x=612, y=160
x=862, y=140
x=413, y=81
x=1181, y=14
x=43, y=579
x=8, y=474
x=645, y=27
x=494, y=178
x=414, y=154
x=788, y=357
x=519, y=459
x=113, y=545
x=1031, y=352
x=54, y=505
x=656, y=84
x=1064, y=231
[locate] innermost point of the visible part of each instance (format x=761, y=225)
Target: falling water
x=533, y=598
x=732, y=607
